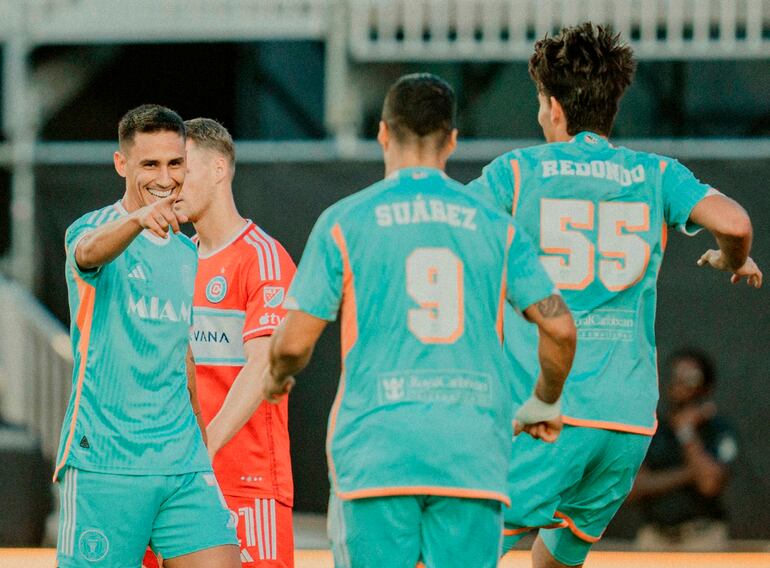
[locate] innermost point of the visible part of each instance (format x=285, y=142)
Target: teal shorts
x=570, y=489
x=108, y=519
x=399, y=531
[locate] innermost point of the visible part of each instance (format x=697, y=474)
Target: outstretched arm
x=290, y=351
x=731, y=227
x=540, y=416
x=103, y=245
x=243, y=398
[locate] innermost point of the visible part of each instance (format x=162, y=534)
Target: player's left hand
x=547, y=431
x=274, y=389
x=749, y=270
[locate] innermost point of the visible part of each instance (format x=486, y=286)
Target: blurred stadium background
x=299, y=83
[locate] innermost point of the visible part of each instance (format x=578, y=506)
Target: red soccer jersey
x=239, y=292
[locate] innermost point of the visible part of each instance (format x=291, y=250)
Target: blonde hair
x=210, y=134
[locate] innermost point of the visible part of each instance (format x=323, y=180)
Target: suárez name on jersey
x=153, y=308
x=420, y=210
x=597, y=169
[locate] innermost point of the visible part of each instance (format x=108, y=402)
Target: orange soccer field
x=44, y=558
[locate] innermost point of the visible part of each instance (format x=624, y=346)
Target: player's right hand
x=749, y=270
x=547, y=431
x=159, y=216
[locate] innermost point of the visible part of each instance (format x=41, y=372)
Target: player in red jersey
x=243, y=274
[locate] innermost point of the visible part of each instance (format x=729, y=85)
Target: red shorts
x=264, y=530
x=150, y=560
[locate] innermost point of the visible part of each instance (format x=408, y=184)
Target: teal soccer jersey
x=420, y=270
x=130, y=411
x=598, y=215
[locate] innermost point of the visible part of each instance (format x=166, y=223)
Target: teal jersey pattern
x=130, y=410
x=419, y=269
x=598, y=215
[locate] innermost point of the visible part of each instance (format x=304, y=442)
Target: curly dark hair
x=587, y=69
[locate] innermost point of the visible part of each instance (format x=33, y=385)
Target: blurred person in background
x=599, y=216
x=680, y=485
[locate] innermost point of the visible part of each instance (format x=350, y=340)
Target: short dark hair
x=210, y=134
x=701, y=359
x=147, y=119
x=587, y=69
x=420, y=105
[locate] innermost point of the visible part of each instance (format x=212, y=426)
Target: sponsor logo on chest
x=216, y=336
x=154, y=308
x=209, y=336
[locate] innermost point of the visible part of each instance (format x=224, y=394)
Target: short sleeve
x=495, y=186
x=317, y=286
x=527, y=282
x=72, y=238
x=681, y=192
x=265, y=298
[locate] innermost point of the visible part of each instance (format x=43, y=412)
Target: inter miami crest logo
x=216, y=289
x=93, y=545
x=273, y=296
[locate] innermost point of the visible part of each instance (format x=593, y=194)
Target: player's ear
x=557, y=112
x=120, y=163
x=221, y=168
x=383, y=135
x=451, y=143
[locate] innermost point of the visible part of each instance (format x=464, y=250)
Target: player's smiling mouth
x=160, y=194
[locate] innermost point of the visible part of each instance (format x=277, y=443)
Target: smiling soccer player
x=131, y=460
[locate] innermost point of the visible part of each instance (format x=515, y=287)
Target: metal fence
x=447, y=30
x=95, y=21
x=452, y=30
x=35, y=366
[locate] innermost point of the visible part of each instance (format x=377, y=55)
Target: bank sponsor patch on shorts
x=606, y=325
x=441, y=385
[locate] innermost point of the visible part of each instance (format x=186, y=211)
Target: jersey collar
x=238, y=235
x=416, y=173
x=591, y=138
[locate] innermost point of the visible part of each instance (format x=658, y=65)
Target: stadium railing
x=92, y=21
x=35, y=366
x=447, y=30
x=452, y=30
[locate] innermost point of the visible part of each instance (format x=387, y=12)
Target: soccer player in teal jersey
x=132, y=461
x=598, y=215
x=420, y=432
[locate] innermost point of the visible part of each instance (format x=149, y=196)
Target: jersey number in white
x=570, y=254
x=434, y=279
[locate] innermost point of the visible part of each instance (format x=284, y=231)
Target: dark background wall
x=696, y=307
